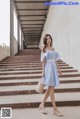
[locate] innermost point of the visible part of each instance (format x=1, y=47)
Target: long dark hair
x=45, y=41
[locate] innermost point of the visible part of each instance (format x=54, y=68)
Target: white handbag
x=40, y=87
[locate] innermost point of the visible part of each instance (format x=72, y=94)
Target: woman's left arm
x=60, y=73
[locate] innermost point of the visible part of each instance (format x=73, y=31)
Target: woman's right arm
x=43, y=68
x=43, y=61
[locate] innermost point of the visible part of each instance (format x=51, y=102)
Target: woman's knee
x=51, y=87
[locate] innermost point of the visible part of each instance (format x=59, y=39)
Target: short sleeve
x=58, y=56
x=42, y=56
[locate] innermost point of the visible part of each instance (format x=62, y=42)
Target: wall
x=15, y=46
x=15, y=31
x=4, y=52
x=63, y=23
x=22, y=40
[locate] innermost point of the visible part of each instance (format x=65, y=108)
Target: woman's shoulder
x=43, y=49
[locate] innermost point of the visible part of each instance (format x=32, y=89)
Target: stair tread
x=17, y=75
x=37, y=79
x=31, y=71
x=34, y=98
x=33, y=87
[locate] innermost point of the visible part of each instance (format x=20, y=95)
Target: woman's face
x=48, y=40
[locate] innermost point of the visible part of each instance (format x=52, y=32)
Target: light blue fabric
x=51, y=75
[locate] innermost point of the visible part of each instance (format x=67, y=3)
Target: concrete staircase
x=18, y=78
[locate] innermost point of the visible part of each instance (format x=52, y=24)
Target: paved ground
x=34, y=113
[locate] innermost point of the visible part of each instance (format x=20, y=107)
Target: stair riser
x=27, y=92
x=27, y=63
x=33, y=72
x=19, y=69
x=40, y=68
x=3, y=67
x=36, y=105
x=35, y=83
x=29, y=77
x=35, y=65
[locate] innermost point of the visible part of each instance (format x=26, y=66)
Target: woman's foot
x=57, y=113
x=42, y=109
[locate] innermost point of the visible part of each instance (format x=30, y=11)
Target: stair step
x=29, y=101
x=29, y=64
x=2, y=77
x=31, y=83
x=30, y=89
x=26, y=92
x=28, y=68
x=19, y=69
x=62, y=70
x=30, y=72
x=33, y=67
x=24, y=61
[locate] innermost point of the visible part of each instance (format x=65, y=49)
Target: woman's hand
x=60, y=73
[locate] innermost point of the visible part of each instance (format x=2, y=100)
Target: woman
x=50, y=75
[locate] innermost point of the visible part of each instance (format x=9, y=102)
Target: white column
x=22, y=38
x=11, y=27
x=18, y=35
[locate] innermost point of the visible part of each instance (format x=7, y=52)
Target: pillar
x=11, y=27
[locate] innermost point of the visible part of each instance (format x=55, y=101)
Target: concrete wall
x=63, y=23
x=16, y=43
x=15, y=46
x=15, y=31
x=4, y=52
x=22, y=38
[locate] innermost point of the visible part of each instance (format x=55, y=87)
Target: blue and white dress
x=51, y=74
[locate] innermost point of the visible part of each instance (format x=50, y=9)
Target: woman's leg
x=50, y=91
x=45, y=98
x=52, y=96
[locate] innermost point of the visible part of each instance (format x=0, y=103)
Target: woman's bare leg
x=52, y=96
x=45, y=98
x=50, y=91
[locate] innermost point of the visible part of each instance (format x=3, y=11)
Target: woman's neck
x=48, y=46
